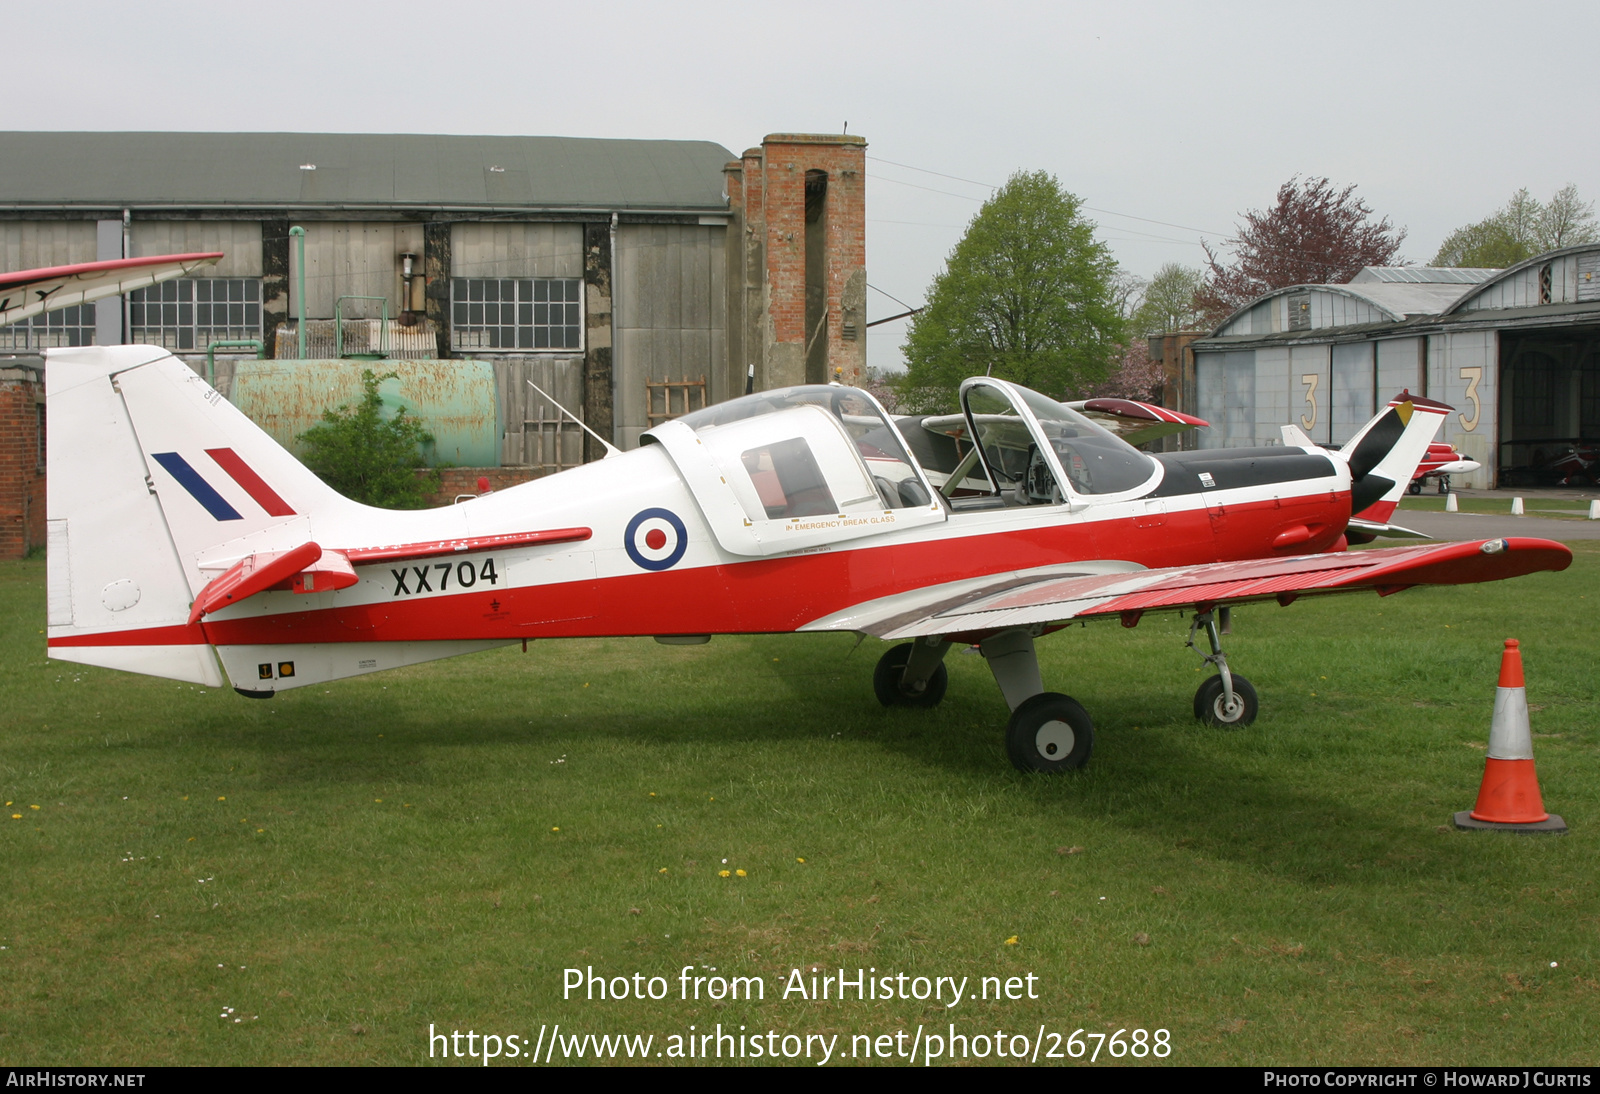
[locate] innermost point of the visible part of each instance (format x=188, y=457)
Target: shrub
x=368, y=459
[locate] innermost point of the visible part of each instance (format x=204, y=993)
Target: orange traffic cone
x=1509, y=797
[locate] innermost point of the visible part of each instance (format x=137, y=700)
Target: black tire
x=1415, y=488
x=1049, y=733
x=891, y=693
x=1208, y=703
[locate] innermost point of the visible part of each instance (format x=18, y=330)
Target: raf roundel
x=656, y=539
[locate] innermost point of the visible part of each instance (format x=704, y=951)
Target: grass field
x=1500, y=505
x=340, y=867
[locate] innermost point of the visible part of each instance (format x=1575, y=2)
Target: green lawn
x=340, y=867
x=1558, y=508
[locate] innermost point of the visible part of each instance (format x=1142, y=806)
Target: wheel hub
x=1054, y=740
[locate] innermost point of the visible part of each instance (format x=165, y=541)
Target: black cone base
x=1553, y=824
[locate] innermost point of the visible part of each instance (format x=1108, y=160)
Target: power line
x=891, y=296
x=991, y=186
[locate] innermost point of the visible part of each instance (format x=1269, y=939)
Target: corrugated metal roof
x=1409, y=300
x=361, y=170
x=1423, y=275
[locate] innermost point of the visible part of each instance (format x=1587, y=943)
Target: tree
x=1132, y=376
x=1315, y=235
x=1169, y=300
x=1522, y=228
x=1026, y=295
x=367, y=458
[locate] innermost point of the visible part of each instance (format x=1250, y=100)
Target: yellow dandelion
x=377, y=801
x=723, y=873
x=713, y=799
x=33, y=807
x=8, y=803
x=799, y=860
x=652, y=793
x=16, y=816
x=222, y=799
x=662, y=870
x=555, y=829
x=260, y=830
x=741, y=873
x=186, y=797
x=1012, y=941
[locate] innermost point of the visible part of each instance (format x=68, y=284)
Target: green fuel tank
x=457, y=401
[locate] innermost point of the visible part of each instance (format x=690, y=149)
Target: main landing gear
x=1050, y=732
x=1047, y=732
x=1224, y=699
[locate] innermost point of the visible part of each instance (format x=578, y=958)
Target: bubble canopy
x=877, y=442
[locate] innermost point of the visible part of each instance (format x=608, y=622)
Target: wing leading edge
x=1021, y=600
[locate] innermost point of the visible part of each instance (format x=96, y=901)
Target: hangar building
x=1516, y=351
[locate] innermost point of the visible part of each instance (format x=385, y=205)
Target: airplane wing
x=27, y=293
x=1133, y=421
x=1042, y=597
x=1136, y=422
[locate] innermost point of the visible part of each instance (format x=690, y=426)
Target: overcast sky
x=1185, y=114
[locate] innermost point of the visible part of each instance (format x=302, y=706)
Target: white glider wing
x=27, y=293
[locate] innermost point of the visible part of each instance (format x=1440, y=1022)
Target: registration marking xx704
x=409, y=580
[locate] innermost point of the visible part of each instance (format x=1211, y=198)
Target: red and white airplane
x=1439, y=463
x=185, y=543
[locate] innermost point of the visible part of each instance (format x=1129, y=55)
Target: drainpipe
x=300, y=290
x=127, y=234
x=616, y=348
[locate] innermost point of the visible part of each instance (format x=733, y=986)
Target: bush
x=368, y=459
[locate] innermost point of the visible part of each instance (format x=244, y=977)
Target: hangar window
x=72, y=326
x=190, y=313
x=516, y=314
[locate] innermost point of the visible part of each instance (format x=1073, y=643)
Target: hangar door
x=1225, y=386
x=1550, y=407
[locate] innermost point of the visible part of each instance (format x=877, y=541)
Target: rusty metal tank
x=456, y=401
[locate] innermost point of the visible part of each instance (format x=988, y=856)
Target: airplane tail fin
x=152, y=473
x=1385, y=453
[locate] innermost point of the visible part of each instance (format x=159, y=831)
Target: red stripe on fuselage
x=781, y=594
x=180, y=635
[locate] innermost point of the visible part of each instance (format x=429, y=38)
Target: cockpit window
x=895, y=475
x=1095, y=460
x=788, y=480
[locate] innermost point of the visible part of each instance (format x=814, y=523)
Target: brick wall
x=22, y=480
x=464, y=480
